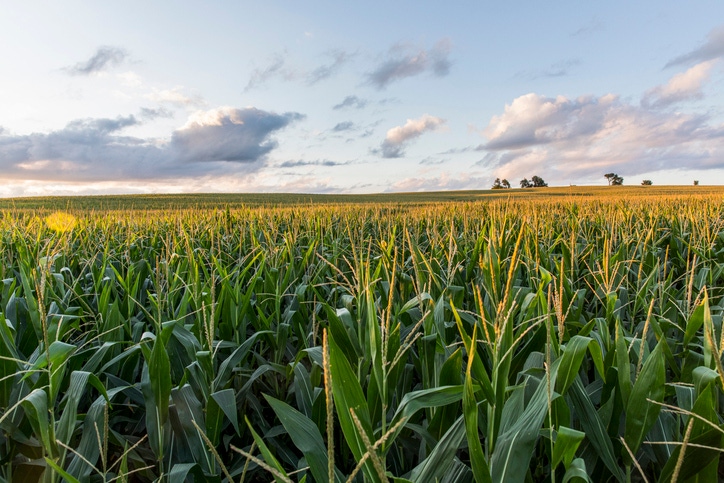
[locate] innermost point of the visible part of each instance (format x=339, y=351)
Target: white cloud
x=683, y=86
x=532, y=119
x=398, y=137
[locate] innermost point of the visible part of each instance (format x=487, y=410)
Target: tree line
x=538, y=182
x=534, y=182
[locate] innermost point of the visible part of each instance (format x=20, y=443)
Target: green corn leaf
x=695, y=321
x=269, y=458
x=79, y=380
x=414, y=401
x=306, y=437
x=58, y=352
x=159, y=372
x=704, y=449
x=567, y=442
x=343, y=332
x=576, y=472
x=66, y=476
x=186, y=411
x=441, y=457
x=703, y=376
x=180, y=471
x=35, y=405
x=227, y=366
x=594, y=428
x=348, y=396
x=303, y=391
x=641, y=414
x=154, y=426
x=571, y=362
x=226, y=400
x=470, y=413
x=478, y=369
x=374, y=338
x=623, y=365
x=88, y=448
x=514, y=448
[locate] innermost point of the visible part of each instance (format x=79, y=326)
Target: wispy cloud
x=325, y=71
x=317, y=162
x=712, y=48
x=150, y=114
x=595, y=25
x=350, y=102
x=277, y=68
x=432, y=161
x=176, y=97
x=404, y=61
x=557, y=69
x=221, y=141
x=104, y=58
x=399, y=137
x=344, y=126
x=684, y=86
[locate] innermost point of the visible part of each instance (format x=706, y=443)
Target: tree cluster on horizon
x=499, y=184
x=534, y=182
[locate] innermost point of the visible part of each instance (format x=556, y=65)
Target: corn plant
x=513, y=339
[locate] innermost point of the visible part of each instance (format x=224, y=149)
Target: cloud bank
x=220, y=141
x=399, y=137
x=403, y=62
x=586, y=136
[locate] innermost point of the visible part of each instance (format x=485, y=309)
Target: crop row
x=499, y=341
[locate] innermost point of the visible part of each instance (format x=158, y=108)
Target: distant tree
x=538, y=182
x=524, y=183
x=613, y=179
x=696, y=182
x=496, y=184
x=646, y=182
x=505, y=184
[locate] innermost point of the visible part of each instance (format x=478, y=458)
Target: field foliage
x=510, y=339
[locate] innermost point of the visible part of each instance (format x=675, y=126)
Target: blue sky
x=129, y=97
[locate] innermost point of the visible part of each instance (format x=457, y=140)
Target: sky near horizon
x=357, y=97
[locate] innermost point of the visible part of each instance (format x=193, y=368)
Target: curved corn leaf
x=306, y=438
x=648, y=390
x=440, y=458
x=348, y=396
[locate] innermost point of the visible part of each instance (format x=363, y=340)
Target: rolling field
x=559, y=334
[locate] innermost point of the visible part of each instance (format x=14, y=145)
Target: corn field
x=507, y=340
